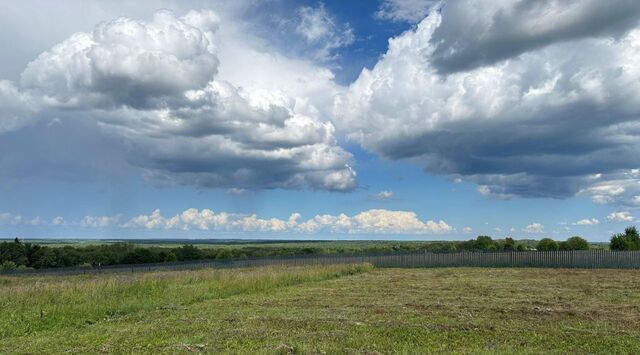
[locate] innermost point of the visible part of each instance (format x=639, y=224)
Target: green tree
x=509, y=244
x=484, y=242
x=574, y=243
x=139, y=256
x=188, y=252
x=547, y=244
x=629, y=240
x=44, y=257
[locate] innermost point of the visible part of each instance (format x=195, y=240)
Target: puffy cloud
x=156, y=86
x=100, y=221
x=622, y=216
x=323, y=31
x=587, y=222
x=411, y=11
x=534, y=228
x=475, y=33
x=16, y=219
x=541, y=124
x=36, y=221
x=467, y=230
x=9, y=218
x=17, y=109
x=382, y=195
x=376, y=221
x=128, y=62
x=385, y=221
x=58, y=221
x=236, y=191
x=620, y=188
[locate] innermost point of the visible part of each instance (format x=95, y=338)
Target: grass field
x=335, y=309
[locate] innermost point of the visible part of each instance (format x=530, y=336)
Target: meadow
x=324, y=309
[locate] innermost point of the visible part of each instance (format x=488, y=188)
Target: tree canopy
x=629, y=240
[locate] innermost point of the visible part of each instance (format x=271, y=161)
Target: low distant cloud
x=587, y=222
x=534, y=228
x=100, y=221
x=10, y=219
x=58, y=221
x=382, y=196
x=375, y=221
x=622, y=216
x=467, y=230
x=37, y=221
x=236, y=191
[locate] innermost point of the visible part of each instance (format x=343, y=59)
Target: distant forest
x=18, y=254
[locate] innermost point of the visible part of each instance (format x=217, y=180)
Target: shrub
x=547, y=244
x=170, y=257
x=8, y=265
x=629, y=240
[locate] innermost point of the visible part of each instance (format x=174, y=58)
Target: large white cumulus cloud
x=157, y=86
x=128, y=62
x=550, y=120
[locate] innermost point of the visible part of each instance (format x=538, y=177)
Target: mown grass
x=453, y=310
x=38, y=303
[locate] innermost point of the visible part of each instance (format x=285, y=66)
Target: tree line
x=18, y=254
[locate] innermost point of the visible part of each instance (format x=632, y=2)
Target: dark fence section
x=587, y=259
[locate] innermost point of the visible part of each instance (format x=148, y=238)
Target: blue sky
x=397, y=119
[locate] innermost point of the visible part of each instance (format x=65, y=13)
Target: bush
x=629, y=240
x=547, y=244
x=8, y=265
x=574, y=243
x=170, y=257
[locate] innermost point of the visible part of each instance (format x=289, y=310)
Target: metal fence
x=587, y=259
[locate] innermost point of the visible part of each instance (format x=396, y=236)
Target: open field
x=327, y=309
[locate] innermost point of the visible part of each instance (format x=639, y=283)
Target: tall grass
x=31, y=304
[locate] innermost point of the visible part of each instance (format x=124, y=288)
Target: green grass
x=339, y=309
